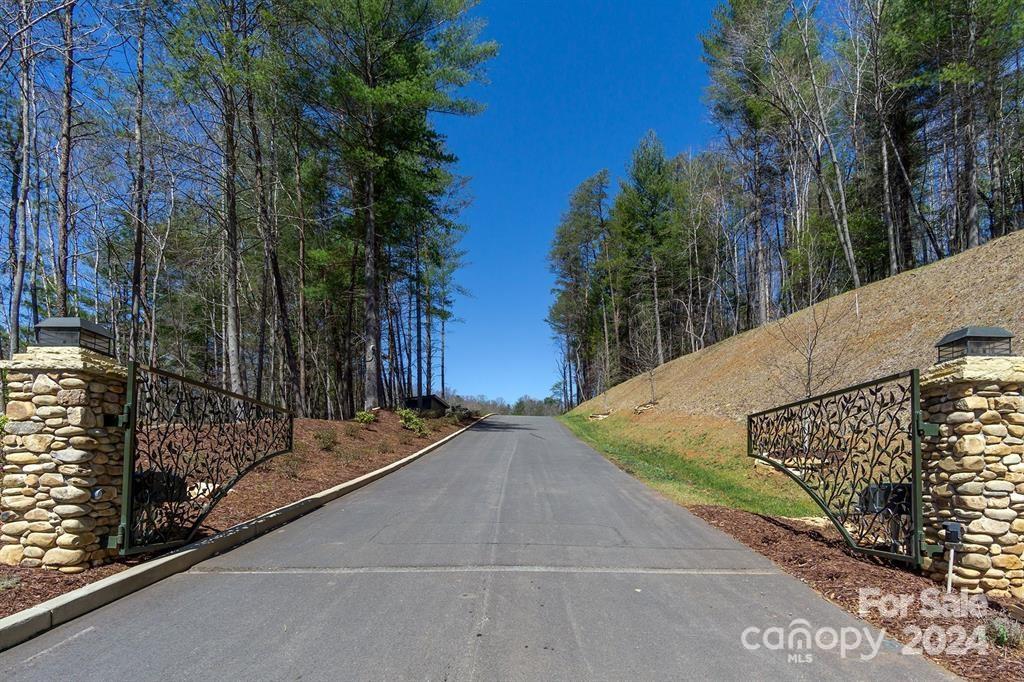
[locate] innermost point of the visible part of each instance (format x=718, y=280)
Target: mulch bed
x=315, y=464
x=818, y=557
x=325, y=454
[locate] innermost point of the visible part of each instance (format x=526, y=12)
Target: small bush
x=413, y=422
x=366, y=417
x=351, y=430
x=1005, y=632
x=456, y=414
x=290, y=464
x=8, y=582
x=383, y=448
x=3, y=421
x=326, y=439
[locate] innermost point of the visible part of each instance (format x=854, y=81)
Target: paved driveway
x=515, y=552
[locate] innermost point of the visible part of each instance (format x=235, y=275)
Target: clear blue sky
x=577, y=84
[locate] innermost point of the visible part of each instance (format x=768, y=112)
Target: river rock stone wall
x=62, y=454
x=974, y=471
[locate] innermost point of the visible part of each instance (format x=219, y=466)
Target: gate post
x=62, y=456
x=973, y=471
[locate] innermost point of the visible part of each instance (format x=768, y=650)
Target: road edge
x=35, y=620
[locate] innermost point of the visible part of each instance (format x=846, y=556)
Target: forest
x=252, y=193
x=856, y=139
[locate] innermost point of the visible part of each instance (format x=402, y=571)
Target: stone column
x=973, y=471
x=62, y=455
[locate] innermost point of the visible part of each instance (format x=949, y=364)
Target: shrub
x=3, y=421
x=1005, y=632
x=290, y=464
x=366, y=417
x=351, y=430
x=326, y=439
x=457, y=414
x=412, y=422
x=383, y=448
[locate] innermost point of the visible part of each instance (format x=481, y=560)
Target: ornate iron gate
x=857, y=453
x=186, y=445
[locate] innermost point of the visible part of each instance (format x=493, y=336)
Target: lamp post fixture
x=988, y=341
x=75, y=332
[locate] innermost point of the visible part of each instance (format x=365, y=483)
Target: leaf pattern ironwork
x=854, y=450
x=192, y=444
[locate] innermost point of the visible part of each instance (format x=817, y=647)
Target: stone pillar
x=973, y=471
x=62, y=458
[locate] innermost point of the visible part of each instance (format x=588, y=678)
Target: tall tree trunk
x=419, y=323
x=27, y=92
x=972, y=235
x=233, y=342
x=371, y=308
x=350, y=305
x=607, y=346
x=12, y=213
x=282, y=318
x=843, y=214
x=444, y=387
x=64, y=154
x=761, y=279
x=138, y=186
x=264, y=228
x=890, y=227
x=430, y=346
x=657, y=313
x=301, y=322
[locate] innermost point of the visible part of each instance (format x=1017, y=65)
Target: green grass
x=695, y=465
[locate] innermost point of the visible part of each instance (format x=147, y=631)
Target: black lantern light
x=74, y=332
x=975, y=341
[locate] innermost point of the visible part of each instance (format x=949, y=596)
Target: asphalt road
x=515, y=552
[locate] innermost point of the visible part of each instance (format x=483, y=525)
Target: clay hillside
x=879, y=329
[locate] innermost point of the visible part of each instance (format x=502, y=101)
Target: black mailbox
x=75, y=332
x=886, y=497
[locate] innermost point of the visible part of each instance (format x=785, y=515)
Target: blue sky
x=577, y=84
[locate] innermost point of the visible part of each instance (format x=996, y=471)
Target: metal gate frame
x=129, y=418
x=916, y=429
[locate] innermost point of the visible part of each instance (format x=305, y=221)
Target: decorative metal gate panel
x=857, y=453
x=186, y=445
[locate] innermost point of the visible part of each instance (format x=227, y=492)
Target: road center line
x=59, y=644
x=486, y=569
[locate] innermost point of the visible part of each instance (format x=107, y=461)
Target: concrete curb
x=24, y=625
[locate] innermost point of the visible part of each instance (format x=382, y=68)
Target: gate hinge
x=115, y=541
x=926, y=428
x=125, y=418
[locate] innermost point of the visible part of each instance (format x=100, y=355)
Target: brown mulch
x=818, y=557
x=21, y=588
x=310, y=467
x=325, y=454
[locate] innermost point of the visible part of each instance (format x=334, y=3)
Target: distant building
x=431, y=403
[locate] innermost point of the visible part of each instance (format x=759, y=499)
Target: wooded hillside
x=858, y=139
x=880, y=329
x=249, y=192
